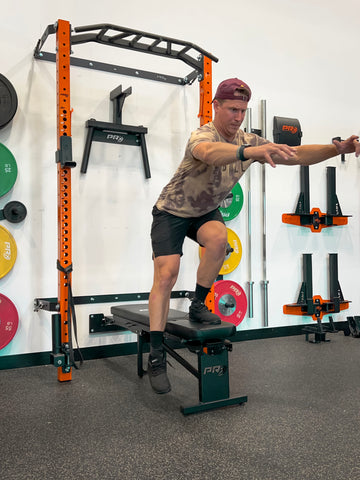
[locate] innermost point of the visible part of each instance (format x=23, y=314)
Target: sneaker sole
x=205, y=323
x=156, y=390
x=162, y=392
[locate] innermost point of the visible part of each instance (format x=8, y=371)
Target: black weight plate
x=8, y=101
x=15, y=212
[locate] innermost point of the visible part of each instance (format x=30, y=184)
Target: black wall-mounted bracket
x=51, y=304
x=116, y=132
x=315, y=219
x=313, y=305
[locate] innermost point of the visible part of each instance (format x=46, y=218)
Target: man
x=216, y=156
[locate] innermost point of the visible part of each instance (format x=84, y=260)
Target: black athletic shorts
x=168, y=231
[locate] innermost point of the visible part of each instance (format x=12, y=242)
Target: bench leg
x=213, y=370
x=142, y=339
x=214, y=376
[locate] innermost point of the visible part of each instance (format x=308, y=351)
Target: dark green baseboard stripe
x=24, y=360
x=270, y=332
x=105, y=351
x=274, y=332
x=88, y=353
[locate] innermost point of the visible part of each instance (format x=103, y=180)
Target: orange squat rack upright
x=205, y=115
x=205, y=110
x=64, y=165
x=194, y=57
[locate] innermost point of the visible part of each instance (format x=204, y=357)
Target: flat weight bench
x=209, y=342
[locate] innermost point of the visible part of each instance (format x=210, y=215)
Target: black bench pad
x=178, y=323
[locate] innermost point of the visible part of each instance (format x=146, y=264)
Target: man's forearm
x=308, y=155
x=217, y=153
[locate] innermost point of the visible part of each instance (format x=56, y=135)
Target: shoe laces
x=159, y=366
x=199, y=305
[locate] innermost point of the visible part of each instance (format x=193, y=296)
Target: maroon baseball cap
x=233, y=89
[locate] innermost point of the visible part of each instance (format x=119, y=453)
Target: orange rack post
x=63, y=44
x=205, y=109
x=205, y=115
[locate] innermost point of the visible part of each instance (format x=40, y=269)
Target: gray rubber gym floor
x=301, y=421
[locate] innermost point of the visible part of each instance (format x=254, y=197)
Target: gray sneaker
x=157, y=374
x=198, y=312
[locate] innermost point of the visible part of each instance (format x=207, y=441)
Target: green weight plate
x=8, y=170
x=232, y=205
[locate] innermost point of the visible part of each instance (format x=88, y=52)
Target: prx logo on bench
x=216, y=370
x=290, y=129
x=115, y=138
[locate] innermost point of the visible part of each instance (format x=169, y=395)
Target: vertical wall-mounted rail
x=205, y=115
x=265, y=281
x=307, y=277
x=63, y=45
x=304, y=200
x=248, y=123
x=335, y=290
x=333, y=206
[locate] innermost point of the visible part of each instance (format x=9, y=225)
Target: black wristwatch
x=240, y=152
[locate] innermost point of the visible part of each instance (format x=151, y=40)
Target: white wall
x=300, y=57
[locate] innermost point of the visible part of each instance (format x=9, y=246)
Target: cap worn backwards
x=233, y=89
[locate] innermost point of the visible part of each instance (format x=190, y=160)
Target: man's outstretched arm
x=312, y=154
x=219, y=153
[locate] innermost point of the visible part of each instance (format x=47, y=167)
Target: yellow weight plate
x=233, y=258
x=8, y=251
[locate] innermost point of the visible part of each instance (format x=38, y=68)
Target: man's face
x=229, y=115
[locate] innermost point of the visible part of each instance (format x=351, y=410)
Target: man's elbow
x=202, y=153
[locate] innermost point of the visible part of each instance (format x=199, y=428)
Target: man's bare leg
x=213, y=236
x=166, y=269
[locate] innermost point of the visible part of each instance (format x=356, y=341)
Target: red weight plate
x=9, y=321
x=230, y=301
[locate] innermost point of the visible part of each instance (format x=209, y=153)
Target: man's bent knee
x=166, y=271
x=213, y=235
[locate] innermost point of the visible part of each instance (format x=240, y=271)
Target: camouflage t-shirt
x=196, y=187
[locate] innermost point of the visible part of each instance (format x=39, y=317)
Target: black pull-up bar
x=128, y=38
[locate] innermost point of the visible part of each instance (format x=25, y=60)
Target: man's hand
x=350, y=145
x=357, y=148
x=264, y=153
